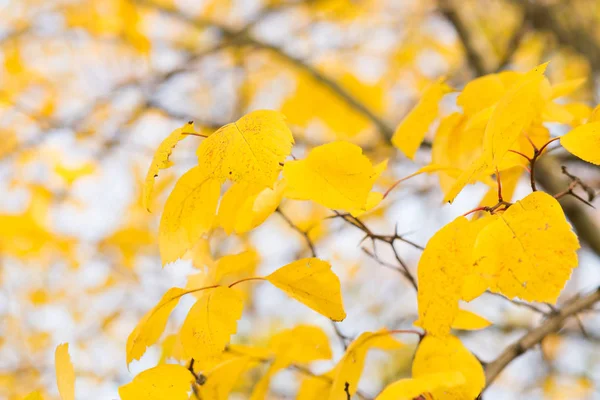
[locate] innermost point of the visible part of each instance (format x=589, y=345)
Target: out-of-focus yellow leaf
x=312, y=103
x=151, y=326
x=299, y=345
x=65, y=374
x=529, y=251
x=71, y=174
x=161, y=159
x=230, y=208
x=190, y=211
x=311, y=282
x=443, y=266
x=566, y=88
x=481, y=93
x=210, y=322
x=34, y=396
x=581, y=113
x=221, y=379
x=167, y=381
x=446, y=354
x=313, y=387
x=234, y=264
x=251, y=149
x=350, y=367
x=336, y=175
x=410, y=389
x=584, y=142
x=469, y=321
x=411, y=131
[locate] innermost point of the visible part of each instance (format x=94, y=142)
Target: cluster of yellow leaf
x=251, y=152
x=526, y=250
x=211, y=321
x=503, y=115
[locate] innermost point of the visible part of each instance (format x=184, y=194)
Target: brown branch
x=535, y=336
x=305, y=234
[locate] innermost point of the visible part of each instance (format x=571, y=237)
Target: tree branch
x=535, y=336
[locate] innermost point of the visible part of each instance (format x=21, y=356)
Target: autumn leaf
x=411, y=131
x=529, y=252
x=410, y=389
x=336, y=175
x=469, y=321
x=444, y=264
x=210, y=322
x=514, y=112
x=65, y=374
x=566, y=88
x=251, y=149
x=190, y=211
x=166, y=381
x=234, y=264
x=446, y=354
x=584, y=142
x=152, y=325
x=161, y=159
x=221, y=379
x=481, y=93
x=34, y=396
x=350, y=367
x=299, y=345
x=311, y=282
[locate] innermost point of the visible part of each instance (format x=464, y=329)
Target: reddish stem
x=256, y=278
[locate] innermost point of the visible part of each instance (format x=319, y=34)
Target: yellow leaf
x=65, y=374
x=34, y=396
x=559, y=113
x=70, y=174
x=481, y=93
x=566, y=88
x=444, y=354
x=252, y=149
x=167, y=381
x=311, y=282
x=336, y=175
x=584, y=142
x=234, y=264
x=411, y=131
x=443, y=266
x=221, y=379
x=514, y=112
x=410, y=389
x=258, y=208
x=350, y=367
x=189, y=212
x=233, y=201
x=161, y=159
x=313, y=387
x=152, y=325
x=469, y=321
x=210, y=322
x=301, y=344
x=529, y=251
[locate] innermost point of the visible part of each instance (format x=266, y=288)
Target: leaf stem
x=256, y=278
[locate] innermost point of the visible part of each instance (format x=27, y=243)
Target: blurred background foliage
x=89, y=89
